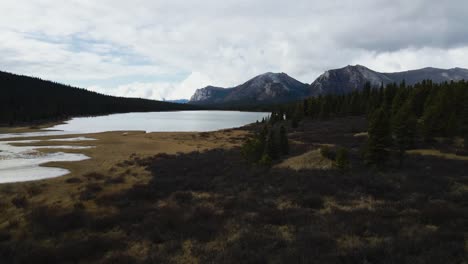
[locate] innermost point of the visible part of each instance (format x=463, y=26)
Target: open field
x=111, y=150
x=192, y=198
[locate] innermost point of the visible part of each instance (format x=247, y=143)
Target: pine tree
x=366, y=91
x=429, y=124
x=325, y=108
x=284, y=143
x=251, y=150
x=435, y=115
x=342, y=160
x=271, y=147
x=451, y=126
x=373, y=101
x=265, y=160
x=389, y=93
x=404, y=130
x=306, y=107
x=464, y=121
x=312, y=111
x=298, y=113
x=254, y=148
x=399, y=100
x=379, y=138
x=355, y=104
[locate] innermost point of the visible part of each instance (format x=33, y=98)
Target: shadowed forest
x=27, y=100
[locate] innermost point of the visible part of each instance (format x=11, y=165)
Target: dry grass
x=212, y=207
x=108, y=158
x=367, y=203
x=309, y=160
x=362, y=134
x=437, y=153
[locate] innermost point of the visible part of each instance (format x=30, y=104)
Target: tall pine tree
x=404, y=130
x=342, y=160
x=284, y=143
x=271, y=147
x=464, y=121
x=379, y=138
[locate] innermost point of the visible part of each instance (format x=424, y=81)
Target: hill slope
x=265, y=88
x=434, y=74
x=26, y=99
x=350, y=78
x=339, y=81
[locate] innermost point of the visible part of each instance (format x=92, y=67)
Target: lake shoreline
x=110, y=151
x=39, y=125
x=48, y=141
x=31, y=127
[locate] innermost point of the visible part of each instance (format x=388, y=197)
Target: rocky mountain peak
x=273, y=87
x=207, y=93
x=265, y=87
x=346, y=79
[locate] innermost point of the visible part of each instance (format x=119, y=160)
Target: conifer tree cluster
x=25, y=99
x=342, y=160
x=398, y=114
x=268, y=144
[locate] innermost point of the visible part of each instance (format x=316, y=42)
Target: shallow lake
x=22, y=163
x=180, y=121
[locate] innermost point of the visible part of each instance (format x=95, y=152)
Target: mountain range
x=280, y=87
x=268, y=87
x=26, y=99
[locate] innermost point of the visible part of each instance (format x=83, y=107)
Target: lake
x=22, y=163
x=180, y=121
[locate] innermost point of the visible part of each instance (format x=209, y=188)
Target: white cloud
x=156, y=90
x=412, y=58
x=222, y=43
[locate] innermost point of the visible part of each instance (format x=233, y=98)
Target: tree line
x=26, y=100
x=268, y=144
x=398, y=114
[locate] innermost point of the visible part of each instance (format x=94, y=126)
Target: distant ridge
x=177, y=101
x=280, y=87
x=434, y=74
x=350, y=78
x=265, y=88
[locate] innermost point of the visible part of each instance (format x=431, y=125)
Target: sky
x=167, y=49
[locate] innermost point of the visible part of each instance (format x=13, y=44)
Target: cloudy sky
x=167, y=49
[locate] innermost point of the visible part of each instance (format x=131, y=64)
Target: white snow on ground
x=22, y=163
x=73, y=139
x=34, y=134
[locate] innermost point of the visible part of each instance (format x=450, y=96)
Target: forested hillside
x=399, y=117
x=25, y=99
x=397, y=114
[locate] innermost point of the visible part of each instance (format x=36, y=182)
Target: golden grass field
x=110, y=150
